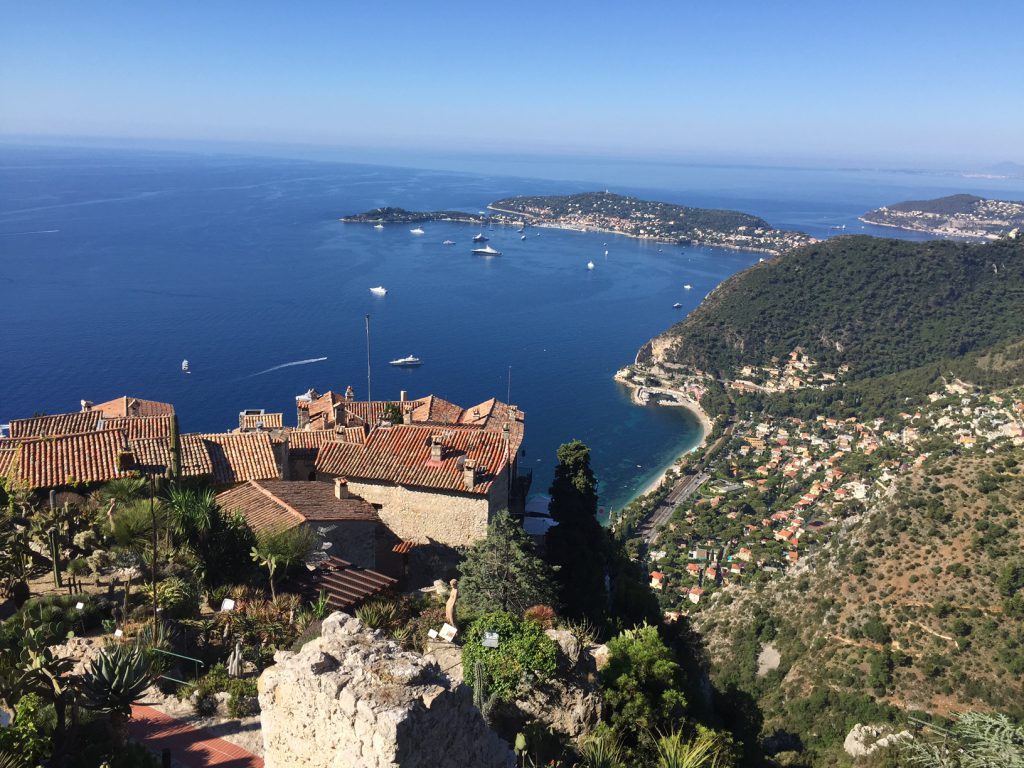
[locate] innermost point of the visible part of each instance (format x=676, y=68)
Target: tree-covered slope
x=878, y=305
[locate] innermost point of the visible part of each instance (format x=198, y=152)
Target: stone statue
x=449, y=608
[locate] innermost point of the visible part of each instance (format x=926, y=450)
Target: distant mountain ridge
x=966, y=216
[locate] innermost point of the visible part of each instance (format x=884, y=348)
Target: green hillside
x=881, y=306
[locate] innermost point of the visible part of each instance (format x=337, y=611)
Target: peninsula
x=617, y=214
x=963, y=216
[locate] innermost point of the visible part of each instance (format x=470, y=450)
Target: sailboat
x=184, y=367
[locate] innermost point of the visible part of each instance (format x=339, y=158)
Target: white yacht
x=522, y=237
x=407, y=362
x=687, y=287
x=184, y=367
x=677, y=305
x=417, y=231
x=380, y=290
x=378, y=226
x=479, y=238
x=486, y=251
x=590, y=265
x=448, y=242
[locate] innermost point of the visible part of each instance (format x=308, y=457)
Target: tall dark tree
x=502, y=572
x=578, y=545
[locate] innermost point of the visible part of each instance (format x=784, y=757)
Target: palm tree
x=113, y=681
x=191, y=512
x=282, y=549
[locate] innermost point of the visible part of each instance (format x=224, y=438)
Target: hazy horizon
x=879, y=85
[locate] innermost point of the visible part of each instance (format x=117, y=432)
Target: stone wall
x=352, y=699
x=455, y=519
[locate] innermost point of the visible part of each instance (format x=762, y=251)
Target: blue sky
x=933, y=83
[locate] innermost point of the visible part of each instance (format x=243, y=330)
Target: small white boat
x=407, y=362
x=479, y=238
x=759, y=261
x=486, y=251
x=378, y=226
x=590, y=265
x=380, y=290
x=677, y=305
x=606, y=253
x=522, y=237
x=687, y=287
x=448, y=242
x=417, y=231
x=184, y=367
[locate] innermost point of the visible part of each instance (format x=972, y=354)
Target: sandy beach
x=670, y=398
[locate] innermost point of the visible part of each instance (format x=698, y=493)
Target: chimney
x=436, y=446
x=403, y=396
x=407, y=416
x=86, y=406
x=340, y=488
x=469, y=473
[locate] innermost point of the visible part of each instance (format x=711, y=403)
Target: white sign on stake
x=227, y=604
x=118, y=633
x=448, y=632
x=432, y=634
x=490, y=640
x=79, y=606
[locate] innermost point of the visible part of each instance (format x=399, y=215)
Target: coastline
x=540, y=224
x=679, y=400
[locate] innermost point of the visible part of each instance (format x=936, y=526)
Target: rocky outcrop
x=353, y=699
x=862, y=740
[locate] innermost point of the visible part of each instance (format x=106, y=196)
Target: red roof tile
x=237, y=456
x=401, y=455
x=58, y=424
x=279, y=504
x=55, y=461
x=132, y=406
x=153, y=455
x=140, y=427
x=262, y=420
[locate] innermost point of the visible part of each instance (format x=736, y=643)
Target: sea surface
x=115, y=266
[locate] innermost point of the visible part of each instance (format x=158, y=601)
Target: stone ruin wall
x=353, y=699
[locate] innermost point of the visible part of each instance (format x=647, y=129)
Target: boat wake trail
x=34, y=232
x=288, y=365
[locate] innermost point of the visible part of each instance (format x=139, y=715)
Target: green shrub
x=524, y=653
x=242, y=691
x=179, y=599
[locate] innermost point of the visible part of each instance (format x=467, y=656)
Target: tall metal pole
x=369, y=393
x=152, y=514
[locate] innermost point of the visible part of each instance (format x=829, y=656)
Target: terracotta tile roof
x=433, y=408
x=321, y=410
x=153, y=455
x=345, y=585
x=307, y=442
x=55, y=461
x=132, y=406
x=58, y=424
x=140, y=427
x=353, y=435
x=264, y=420
x=7, y=458
x=401, y=455
x=279, y=504
x=237, y=456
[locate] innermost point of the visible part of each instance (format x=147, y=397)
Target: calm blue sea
x=114, y=266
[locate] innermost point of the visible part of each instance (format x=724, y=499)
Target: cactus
x=175, y=451
x=481, y=700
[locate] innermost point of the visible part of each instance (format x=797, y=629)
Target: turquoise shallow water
x=116, y=266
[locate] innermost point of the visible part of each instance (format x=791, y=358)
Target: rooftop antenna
x=369, y=393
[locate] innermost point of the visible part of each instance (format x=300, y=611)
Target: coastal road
x=682, y=490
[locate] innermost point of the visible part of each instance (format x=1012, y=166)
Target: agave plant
x=674, y=751
x=113, y=681
x=11, y=760
x=601, y=750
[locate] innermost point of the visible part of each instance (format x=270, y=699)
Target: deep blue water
x=115, y=266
